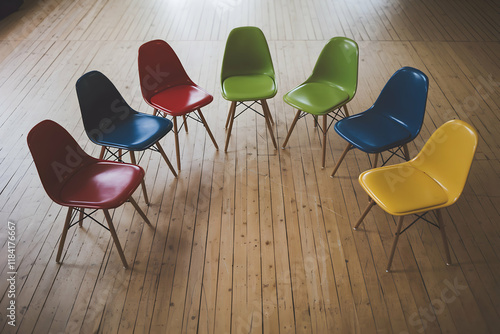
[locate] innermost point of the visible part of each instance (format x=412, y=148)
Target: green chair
x=247, y=75
x=330, y=87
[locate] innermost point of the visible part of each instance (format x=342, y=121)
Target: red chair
x=167, y=88
x=74, y=179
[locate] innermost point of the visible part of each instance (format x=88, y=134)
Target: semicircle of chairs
x=432, y=180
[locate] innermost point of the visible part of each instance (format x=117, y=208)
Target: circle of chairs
x=431, y=181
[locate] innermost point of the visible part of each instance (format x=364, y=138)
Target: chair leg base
x=230, y=121
x=337, y=165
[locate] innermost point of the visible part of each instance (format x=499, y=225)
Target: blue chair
x=110, y=122
x=394, y=120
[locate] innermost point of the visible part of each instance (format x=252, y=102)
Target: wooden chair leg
x=406, y=151
x=155, y=112
x=315, y=121
x=162, y=152
x=375, y=160
x=371, y=203
x=393, y=250
x=80, y=218
x=297, y=115
x=177, y=149
x=64, y=233
x=115, y=237
x=184, y=119
x=233, y=105
x=132, y=159
x=138, y=209
x=208, y=129
x=103, y=150
x=346, y=111
x=267, y=116
x=443, y=236
x=232, y=111
x=325, y=121
x=347, y=148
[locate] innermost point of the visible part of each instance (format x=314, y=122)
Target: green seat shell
x=247, y=75
x=247, y=68
x=333, y=82
x=331, y=85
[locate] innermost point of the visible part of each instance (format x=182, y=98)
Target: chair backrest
x=337, y=65
x=447, y=156
x=159, y=68
x=101, y=104
x=404, y=98
x=56, y=154
x=246, y=53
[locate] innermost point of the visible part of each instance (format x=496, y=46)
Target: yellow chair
x=434, y=179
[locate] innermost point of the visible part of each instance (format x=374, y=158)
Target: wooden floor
x=256, y=240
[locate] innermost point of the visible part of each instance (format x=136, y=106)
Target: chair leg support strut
x=115, y=238
x=347, y=148
x=297, y=116
x=64, y=233
x=394, y=244
x=368, y=208
x=443, y=236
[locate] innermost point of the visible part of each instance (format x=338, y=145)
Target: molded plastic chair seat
x=180, y=100
x=136, y=133
x=167, y=88
x=329, y=88
x=110, y=122
x=248, y=87
x=316, y=98
x=372, y=133
x=408, y=194
x=434, y=179
x=101, y=185
x=74, y=179
x=247, y=75
x=394, y=120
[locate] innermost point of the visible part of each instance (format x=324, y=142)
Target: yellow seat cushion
x=402, y=189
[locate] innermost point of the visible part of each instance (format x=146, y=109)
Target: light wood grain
x=256, y=239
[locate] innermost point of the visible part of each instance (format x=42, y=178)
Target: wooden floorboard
x=255, y=240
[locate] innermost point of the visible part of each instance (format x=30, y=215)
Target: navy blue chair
x=110, y=122
x=394, y=120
